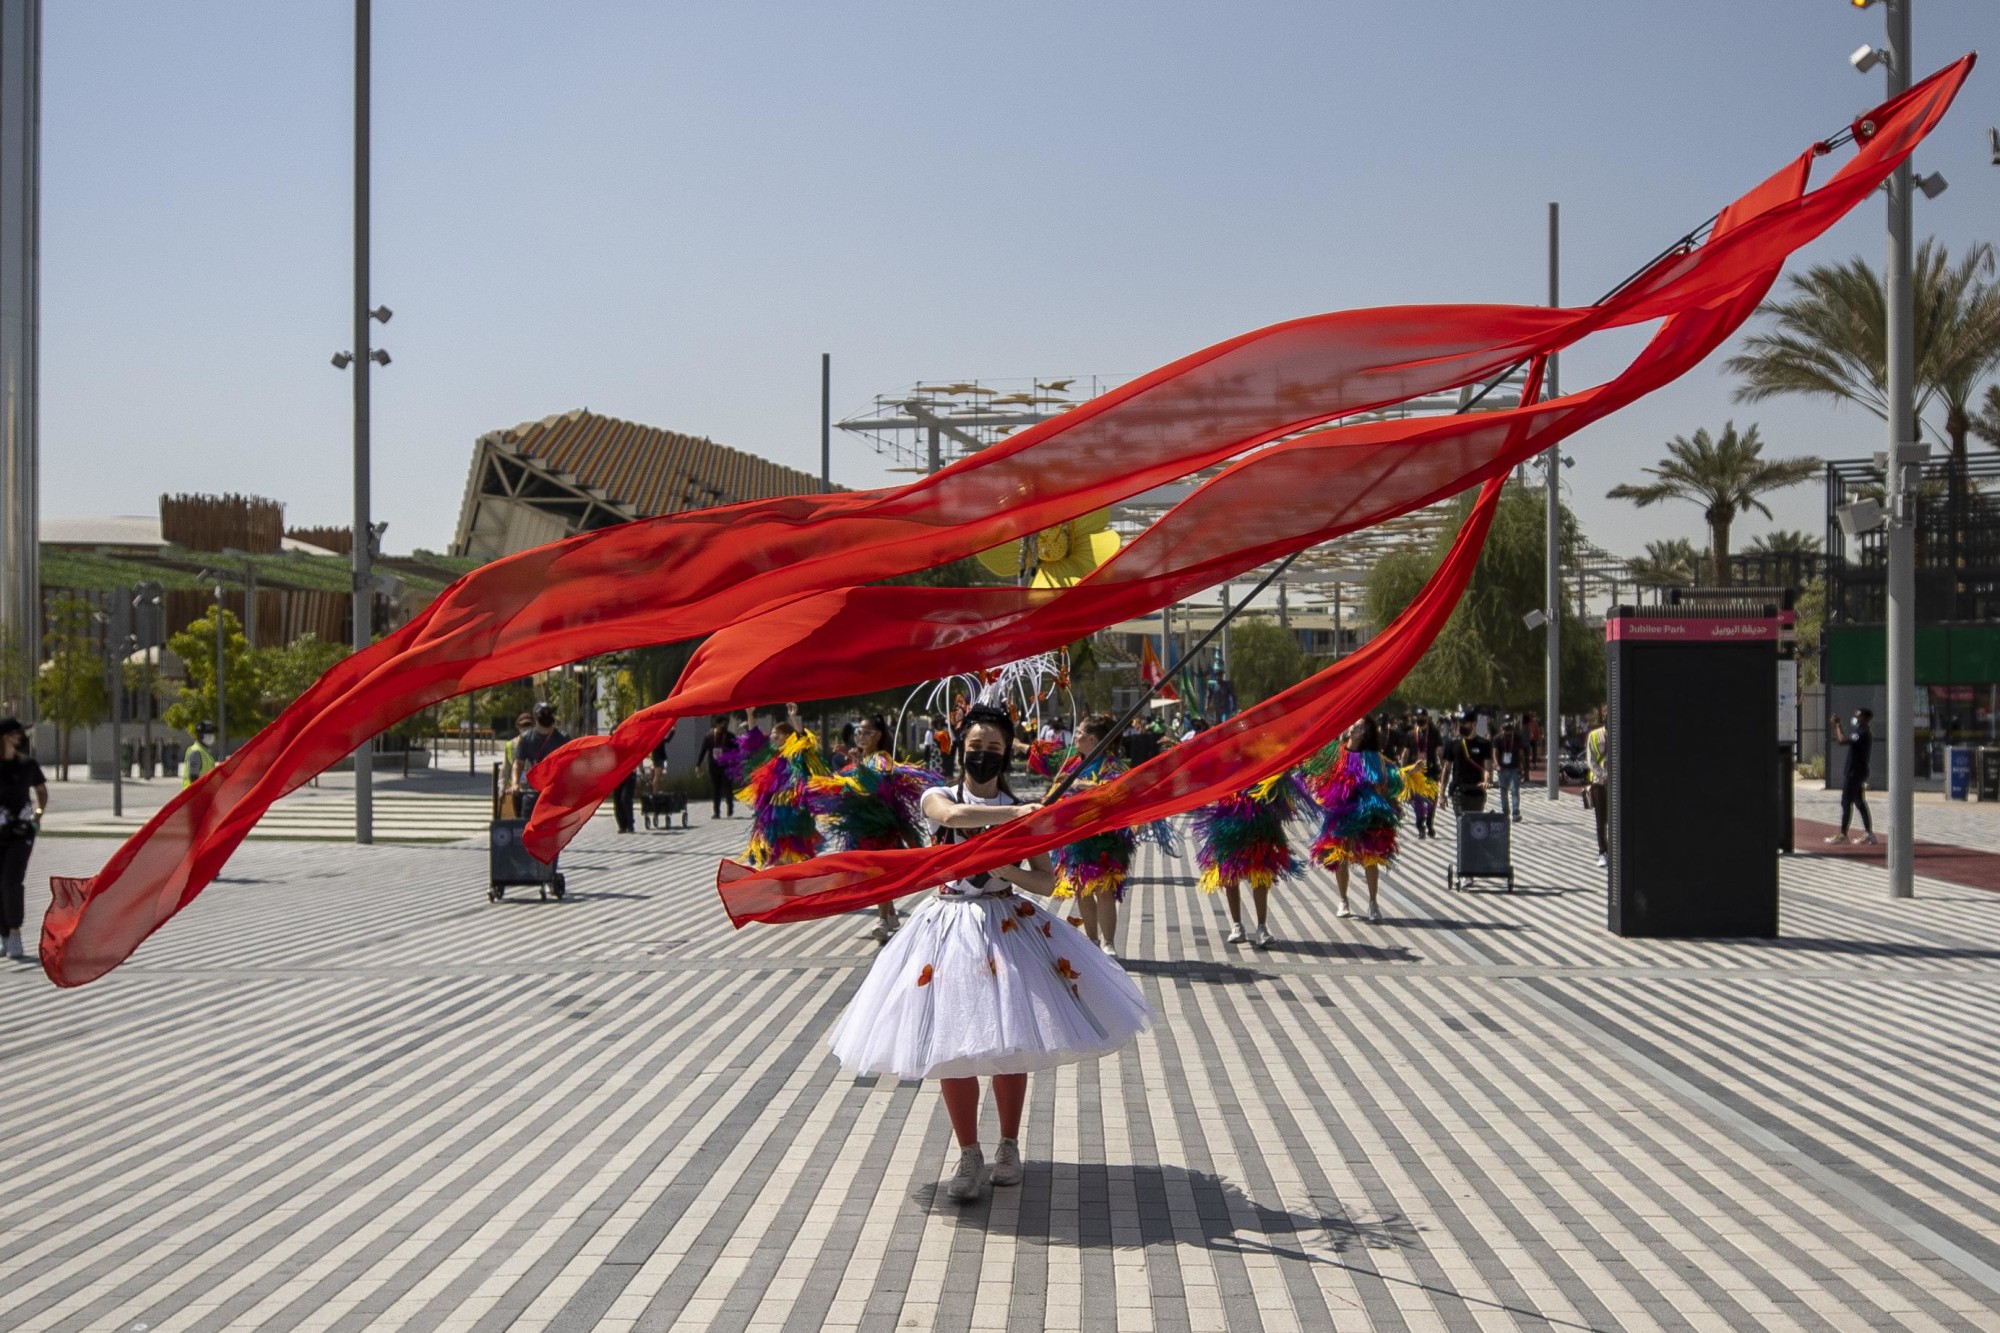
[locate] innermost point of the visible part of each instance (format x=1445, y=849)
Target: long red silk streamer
x=1282, y=731
x=1274, y=735
x=675, y=578
x=853, y=640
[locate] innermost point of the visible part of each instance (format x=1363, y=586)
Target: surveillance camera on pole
x=1867, y=57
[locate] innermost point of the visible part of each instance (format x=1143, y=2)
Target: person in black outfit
x=535, y=744
x=622, y=798
x=24, y=793
x=713, y=746
x=1860, y=743
x=1466, y=760
x=1422, y=744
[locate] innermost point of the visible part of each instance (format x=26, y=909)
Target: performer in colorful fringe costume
x=1093, y=870
x=982, y=981
x=782, y=826
x=873, y=804
x=745, y=752
x=1242, y=840
x=1359, y=792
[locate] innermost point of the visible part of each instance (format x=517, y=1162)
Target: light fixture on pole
x=1860, y=517
x=1535, y=619
x=1868, y=57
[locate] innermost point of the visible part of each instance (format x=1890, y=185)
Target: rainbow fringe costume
x=1098, y=864
x=872, y=805
x=1241, y=838
x=782, y=827
x=1359, y=794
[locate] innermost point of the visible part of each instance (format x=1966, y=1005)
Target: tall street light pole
x=826, y=421
x=364, y=530
x=1552, y=594
x=1904, y=462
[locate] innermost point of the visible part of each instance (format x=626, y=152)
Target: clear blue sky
x=666, y=211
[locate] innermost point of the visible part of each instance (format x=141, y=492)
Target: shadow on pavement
x=1193, y=968
x=1873, y=948
x=1218, y=1205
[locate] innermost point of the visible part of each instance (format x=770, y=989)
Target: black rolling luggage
x=1484, y=850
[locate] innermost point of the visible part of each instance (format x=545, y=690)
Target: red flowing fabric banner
x=1329, y=484
x=691, y=574
x=1284, y=730
x=1280, y=732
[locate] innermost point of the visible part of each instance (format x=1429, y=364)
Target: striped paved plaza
x=343, y=1091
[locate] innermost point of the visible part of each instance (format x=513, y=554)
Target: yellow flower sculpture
x=1061, y=555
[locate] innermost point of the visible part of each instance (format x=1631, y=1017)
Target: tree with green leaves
x=287, y=671
x=1810, y=610
x=1829, y=340
x=1786, y=541
x=71, y=690
x=242, y=691
x=1485, y=653
x=1726, y=475
x=1668, y=564
x=1264, y=659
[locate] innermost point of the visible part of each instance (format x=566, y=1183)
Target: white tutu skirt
x=986, y=986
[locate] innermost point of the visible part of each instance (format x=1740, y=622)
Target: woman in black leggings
x=713, y=746
x=23, y=794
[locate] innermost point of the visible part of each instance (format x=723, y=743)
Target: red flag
x=1151, y=674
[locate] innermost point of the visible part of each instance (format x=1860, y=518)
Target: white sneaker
x=1840, y=838
x=1263, y=937
x=1235, y=933
x=1007, y=1163
x=880, y=934
x=1110, y=949
x=13, y=947
x=1603, y=861
x=964, y=1186
x=1868, y=838
x=1374, y=915
x=1344, y=910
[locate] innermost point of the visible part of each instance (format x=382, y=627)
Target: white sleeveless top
x=967, y=888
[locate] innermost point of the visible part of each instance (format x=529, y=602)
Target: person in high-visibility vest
x=197, y=760
x=1597, y=753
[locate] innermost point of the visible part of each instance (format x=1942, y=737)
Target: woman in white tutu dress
x=981, y=980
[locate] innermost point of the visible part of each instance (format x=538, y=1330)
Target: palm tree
x=1669, y=564
x=1830, y=339
x=1724, y=476
x=1785, y=541
x=1987, y=424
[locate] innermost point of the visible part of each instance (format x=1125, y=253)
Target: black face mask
x=984, y=765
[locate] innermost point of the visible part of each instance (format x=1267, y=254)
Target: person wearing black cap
x=534, y=745
x=24, y=794
x=198, y=759
x=1424, y=746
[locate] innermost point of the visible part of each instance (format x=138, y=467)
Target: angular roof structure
x=578, y=471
